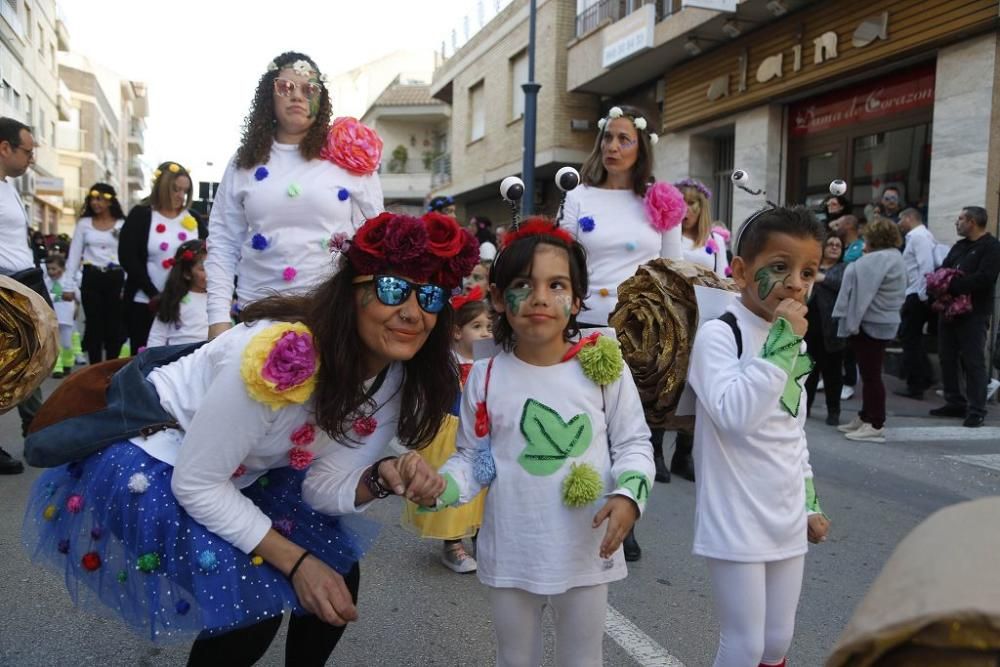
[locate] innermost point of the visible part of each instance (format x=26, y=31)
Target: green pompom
x=602, y=362
x=582, y=485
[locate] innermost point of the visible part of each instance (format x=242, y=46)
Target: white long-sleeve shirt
x=91, y=246
x=918, y=256
x=223, y=428
x=716, y=260
x=191, y=325
x=529, y=538
x=15, y=254
x=621, y=240
x=293, y=206
x=750, y=453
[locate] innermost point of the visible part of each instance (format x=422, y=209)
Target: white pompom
x=615, y=112
x=640, y=123
x=838, y=187
x=138, y=483
x=653, y=138
x=601, y=123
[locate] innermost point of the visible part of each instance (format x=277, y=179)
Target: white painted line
x=989, y=461
x=637, y=643
x=954, y=433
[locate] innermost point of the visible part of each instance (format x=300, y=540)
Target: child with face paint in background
x=755, y=501
x=555, y=429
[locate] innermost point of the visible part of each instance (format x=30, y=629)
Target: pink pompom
x=711, y=246
x=74, y=503
x=304, y=435
x=364, y=426
x=721, y=231
x=288, y=275
x=299, y=458
x=665, y=206
x=240, y=471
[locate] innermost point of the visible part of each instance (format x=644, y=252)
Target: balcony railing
x=441, y=171
x=611, y=10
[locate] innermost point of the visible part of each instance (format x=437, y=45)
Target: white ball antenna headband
x=838, y=187
x=741, y=179
x=512, y=190
x=567, y=179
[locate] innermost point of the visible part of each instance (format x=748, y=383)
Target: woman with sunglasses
x=95, y=248
x=295, y=182
x=216, y=525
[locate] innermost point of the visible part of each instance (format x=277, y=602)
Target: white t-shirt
x=223, y=428
x=750, y=454
x=711, y=258
x=91, y=246
x=165, y=235
x=15, y=254
x=529, y=538
x=65, y=310
x=621, y=239
x=190, y=327
x=271, y=225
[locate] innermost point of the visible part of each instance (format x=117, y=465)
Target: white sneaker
x=455, y=559
x=991, y=389
x=847, y=392
x=820, y=386
x=867, y=433
x=853, y=425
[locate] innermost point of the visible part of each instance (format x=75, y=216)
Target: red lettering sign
x=901, y=91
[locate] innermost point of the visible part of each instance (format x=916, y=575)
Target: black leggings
x=310, y=640
x=138, y=320
x=101, y=294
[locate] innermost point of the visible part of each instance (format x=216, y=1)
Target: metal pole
x=530, y=88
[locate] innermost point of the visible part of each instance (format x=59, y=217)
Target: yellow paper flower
x=189, y=223
x=174, y=167
x=279, y=365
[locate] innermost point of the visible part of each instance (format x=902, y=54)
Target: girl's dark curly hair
x=260, y=123
x=114, y=208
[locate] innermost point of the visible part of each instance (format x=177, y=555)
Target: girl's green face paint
x=515, y=296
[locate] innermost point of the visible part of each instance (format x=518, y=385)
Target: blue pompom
x=586, y=224
x=483, y=468
x=343, y=194
x=183, y=607
x=258, y=241
x=207, y=560
x=261, y=173
x=630, y=246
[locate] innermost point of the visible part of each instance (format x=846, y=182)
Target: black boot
x=9, y=465
x=682, y=462
x=662, y=472
x=633, y=551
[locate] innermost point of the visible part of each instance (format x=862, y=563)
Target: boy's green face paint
x=765, y=279
x=515, y=296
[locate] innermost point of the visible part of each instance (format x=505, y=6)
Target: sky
x=201, y=59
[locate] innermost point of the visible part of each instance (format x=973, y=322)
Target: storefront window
x=817, y=172
x=900, y=158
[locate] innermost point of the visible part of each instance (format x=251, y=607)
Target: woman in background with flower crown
x=95, y=249
x=217, y=524
x=620, y=218
x=152, y=232
x=295, y=182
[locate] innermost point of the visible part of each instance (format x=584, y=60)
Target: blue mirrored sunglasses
x=393, y=291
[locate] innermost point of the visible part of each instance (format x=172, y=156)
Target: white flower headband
x=300, y=67
x=638, y=121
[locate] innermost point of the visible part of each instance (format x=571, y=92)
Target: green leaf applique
x=635, y=482
x=550, y=440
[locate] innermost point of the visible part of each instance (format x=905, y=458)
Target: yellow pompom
x=174, y=168
x=189, y=223
x=157, y=173
x=257, y=560
x=279, y=365
x=50, y=512
x=602, y=362
x=582, y=485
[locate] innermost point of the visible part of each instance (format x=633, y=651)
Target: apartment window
x=16, y=101
x=518, y=76
x=27, y=20
x=52, y=55
x=41, y=40
x=41, y=123
x=477, y=111
x=29, y=107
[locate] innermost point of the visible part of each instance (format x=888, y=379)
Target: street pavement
x=414, y=612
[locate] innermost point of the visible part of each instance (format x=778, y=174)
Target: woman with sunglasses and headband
x=233, y=514
x=295, y=182
x=95, y=248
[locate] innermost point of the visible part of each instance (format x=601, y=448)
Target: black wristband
x=295, y=568
x=372, y=481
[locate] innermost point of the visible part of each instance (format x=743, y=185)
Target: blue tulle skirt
x=126, y=546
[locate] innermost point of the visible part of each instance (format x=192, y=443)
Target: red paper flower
x=91, y=561
x=167, y=263
x=304, y=435
x=364, y=426
x=353, y=146
x=300, y=458
x=371, y=237
x=444, y=236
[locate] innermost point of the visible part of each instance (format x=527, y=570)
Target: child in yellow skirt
x=472, y=323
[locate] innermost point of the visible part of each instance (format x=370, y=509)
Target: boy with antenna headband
x=756, y=505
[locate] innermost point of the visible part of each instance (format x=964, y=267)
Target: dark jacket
x=980, y=262
x=133, y=250
x=820, y=315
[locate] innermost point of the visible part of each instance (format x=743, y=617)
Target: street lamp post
x=530, y=88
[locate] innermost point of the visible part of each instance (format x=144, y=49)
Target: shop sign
x=47, y=185
x=629, y=36
x=716, y=5
x=905, y=91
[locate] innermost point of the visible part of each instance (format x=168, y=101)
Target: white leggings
x=579, y=618
x=66, y=336
x=755, y=603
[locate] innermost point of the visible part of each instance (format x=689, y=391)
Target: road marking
x=988, y=461
x=949, y=433
x=637, y=643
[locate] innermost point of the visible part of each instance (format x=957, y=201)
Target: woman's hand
x=68, y=296
x=419, y=482
x=621, y=513
x=218, y=328
x=322, y=592
x=818, y=527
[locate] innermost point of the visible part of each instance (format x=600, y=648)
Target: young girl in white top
x=55, y=278
x=755, y=500
x=183, y=311
x=556, y=430
x=702, y=244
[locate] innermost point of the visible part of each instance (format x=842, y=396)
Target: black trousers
x=829, y=366
x=138, y=321
x=310, y=640
x=962, y=349
x=919, y=374
x=101, y=294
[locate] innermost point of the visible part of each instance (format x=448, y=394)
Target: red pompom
x=161, y=228
x=91, y=561
x=482, y=420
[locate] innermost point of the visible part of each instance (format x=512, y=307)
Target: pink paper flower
x=291, y=361
x=240, y=471
x=288, y=275
x=665, y=206
x=711, y=247
x=304, y=435
x=299, y=458
x=722, y=231
x=353, y=146
x=338, y=242
x=364, y=426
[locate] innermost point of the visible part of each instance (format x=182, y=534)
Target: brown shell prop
x=655, y=320
x=29, y=342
